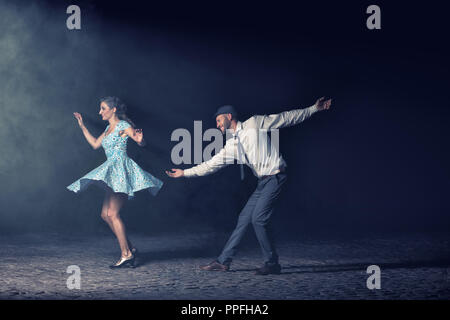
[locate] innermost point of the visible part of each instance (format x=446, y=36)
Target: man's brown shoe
x=269, y=269
x=215, y=266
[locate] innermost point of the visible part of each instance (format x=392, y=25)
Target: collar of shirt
x=238, y=128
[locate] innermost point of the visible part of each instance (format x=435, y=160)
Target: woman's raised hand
x=79, y=118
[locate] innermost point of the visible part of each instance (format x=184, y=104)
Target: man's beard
x=226, y=126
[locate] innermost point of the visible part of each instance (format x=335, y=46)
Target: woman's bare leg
x=116, y=202
x=107, y=219
x=105, y=207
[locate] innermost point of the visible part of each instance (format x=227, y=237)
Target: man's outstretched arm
x=224, y=157
x=292, y=117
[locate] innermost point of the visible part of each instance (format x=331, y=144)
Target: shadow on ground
x=438, y=263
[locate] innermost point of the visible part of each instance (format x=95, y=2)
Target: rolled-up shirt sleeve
x=224, y=157
x=286, y=118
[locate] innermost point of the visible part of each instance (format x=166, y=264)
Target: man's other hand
x=323, y=104
x=175, y=173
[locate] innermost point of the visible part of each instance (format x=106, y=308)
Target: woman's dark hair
x=121, y=108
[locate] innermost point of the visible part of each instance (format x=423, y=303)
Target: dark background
x=376, y=162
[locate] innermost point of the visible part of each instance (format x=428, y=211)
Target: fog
x=375, y=162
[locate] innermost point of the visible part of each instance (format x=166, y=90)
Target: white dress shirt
x=251, y=145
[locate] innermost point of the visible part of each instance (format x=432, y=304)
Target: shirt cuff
x=188, y=173
x=314, y=108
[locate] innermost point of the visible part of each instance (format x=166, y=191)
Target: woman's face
x=106, y=112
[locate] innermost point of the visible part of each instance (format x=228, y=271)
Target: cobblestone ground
x=412, y=267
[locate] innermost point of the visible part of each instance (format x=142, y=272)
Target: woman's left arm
x=135, y=134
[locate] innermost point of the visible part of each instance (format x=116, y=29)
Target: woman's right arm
x=94, y=142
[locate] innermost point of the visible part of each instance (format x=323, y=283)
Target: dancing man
x=249, y=145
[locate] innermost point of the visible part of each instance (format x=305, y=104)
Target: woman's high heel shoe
x=124, y=262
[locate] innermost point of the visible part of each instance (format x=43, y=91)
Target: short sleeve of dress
x=123, y=125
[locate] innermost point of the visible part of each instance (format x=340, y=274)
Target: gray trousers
x=257, y=211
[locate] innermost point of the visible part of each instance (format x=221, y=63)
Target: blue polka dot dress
x=118, y=172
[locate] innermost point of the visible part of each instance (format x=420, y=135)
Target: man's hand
x=323, y=104
x=175, y=173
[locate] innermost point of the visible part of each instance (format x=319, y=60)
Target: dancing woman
x=119, y=175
